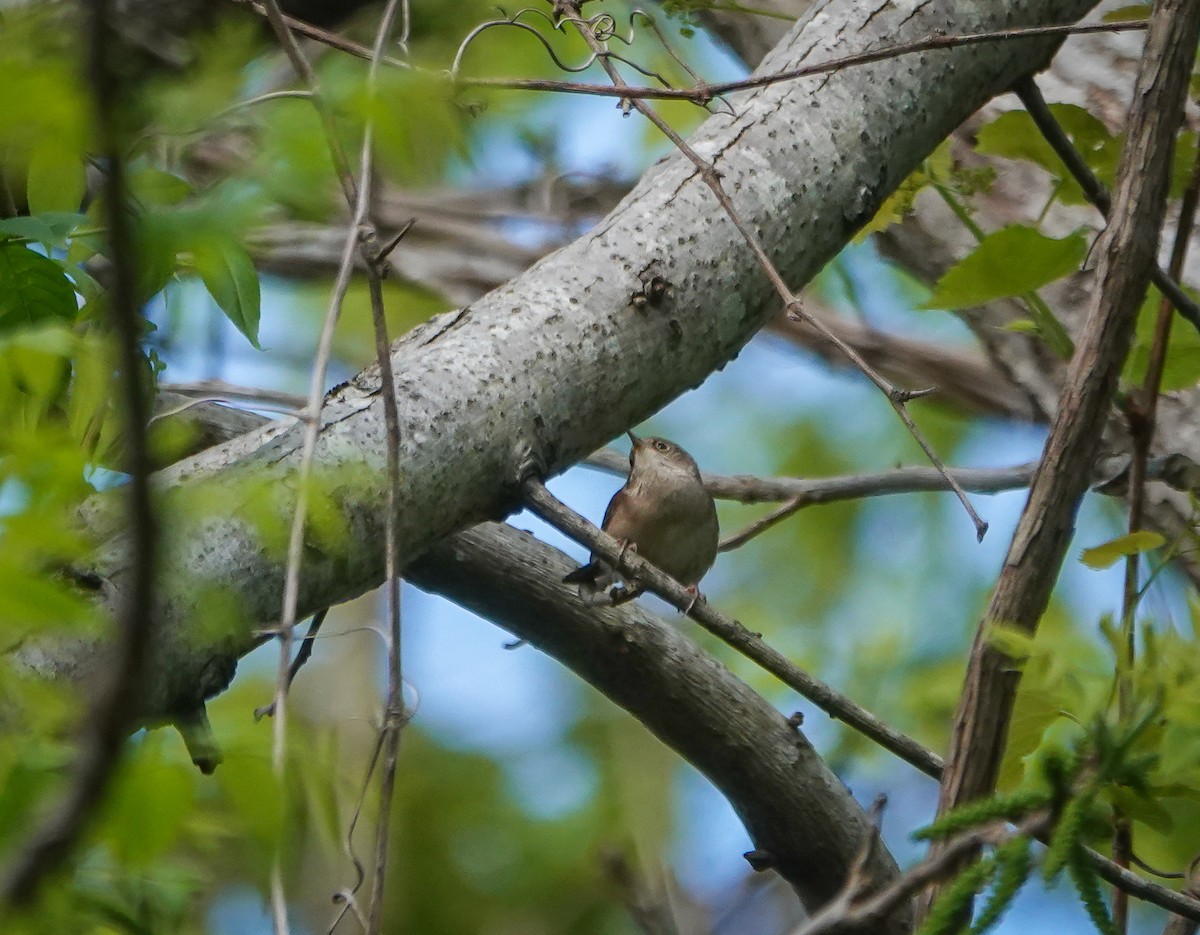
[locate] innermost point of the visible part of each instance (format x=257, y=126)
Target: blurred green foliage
x=857, y=591
x=209, y=162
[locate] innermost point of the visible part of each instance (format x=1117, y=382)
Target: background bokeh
x=524, y=798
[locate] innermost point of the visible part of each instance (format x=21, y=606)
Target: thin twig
x=112, y=712
x=283, y=95
x=394, y=715
x=762, y=524
x=1155, y=871
x=859, y=909
x=256, y=397
x=316, y=395
x=896, y=397
x=302, y=656
x=751, y=645
x=1043, y=118
x=815, y=490
x=365, y=238
x=706, y=92
x=748, y=489
x=360, y=873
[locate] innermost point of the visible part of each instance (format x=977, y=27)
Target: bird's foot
x=625, y=594
x=697, y=597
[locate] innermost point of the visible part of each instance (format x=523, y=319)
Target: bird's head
x=657, y=456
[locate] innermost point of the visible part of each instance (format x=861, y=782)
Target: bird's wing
x=592, y=570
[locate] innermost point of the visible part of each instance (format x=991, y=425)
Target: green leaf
x=1142, y=809
x=899, y=204
x=56, y=179
x=232, y=281
x=1181, y=366
x=33, y=289
x=1128, y=14
x=1014, y=260
x=27, y=228
x=1014, y=135
x=418, y=126
x=149, y=804
x=151, y=186
x=1107, y=553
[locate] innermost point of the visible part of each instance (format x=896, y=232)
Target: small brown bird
x=663, y=512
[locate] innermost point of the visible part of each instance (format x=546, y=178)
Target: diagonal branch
x=749, y=644
x=794, y=310
x=559, y=360
x=782, y=791
x=1039, y=111
x=1127, y=254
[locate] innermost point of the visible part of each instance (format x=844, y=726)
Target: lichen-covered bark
x=544, y=369
x=557, y=361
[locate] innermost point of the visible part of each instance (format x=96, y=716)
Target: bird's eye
x=662, y=446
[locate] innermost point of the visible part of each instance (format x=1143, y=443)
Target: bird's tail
x=584, y=574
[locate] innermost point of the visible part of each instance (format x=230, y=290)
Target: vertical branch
x=1141, y=416
x=1127, y=255
x=362, y=237
x=359, y=199
x=394, y=714
x=112, y=712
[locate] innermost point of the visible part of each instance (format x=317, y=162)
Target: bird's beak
x=633, y=438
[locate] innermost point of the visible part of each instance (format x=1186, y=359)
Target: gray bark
x=546, y=368
x=802, y=819
x=556, y=362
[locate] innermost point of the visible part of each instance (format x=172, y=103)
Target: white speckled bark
x=558, y=361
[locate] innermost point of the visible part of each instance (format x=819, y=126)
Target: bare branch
x=858, y=907
x=112, y=711
x=1031, y=96
x=706, y=92
x=302, y=657
x=750, y=645
x=1043, y=533
x=779, y=787
x=394, y=717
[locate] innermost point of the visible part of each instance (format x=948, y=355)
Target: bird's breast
x=679, y=534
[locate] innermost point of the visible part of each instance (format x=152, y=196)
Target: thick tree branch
x=538, y=366
x=779, y=787
x=458, y=569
